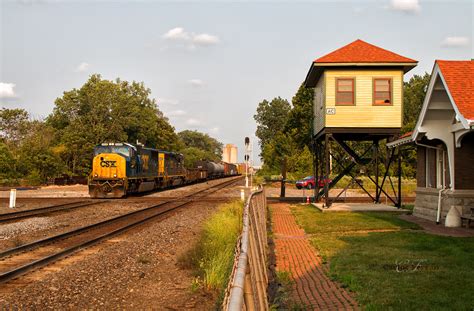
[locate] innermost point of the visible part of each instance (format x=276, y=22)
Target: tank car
x=214, y=170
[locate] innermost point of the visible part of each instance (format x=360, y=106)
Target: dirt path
x=312, y=289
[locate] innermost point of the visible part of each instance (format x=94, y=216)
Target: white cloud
x=82, y=67
x=193, y=122
x=196, y=82
x=205, y=39
x=407, y=6
x=455, y=42
x=168, y=101
x=175, y=113
x=6, y=90
x=177, y=33
x=189, y=39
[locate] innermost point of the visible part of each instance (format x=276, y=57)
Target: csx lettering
x=104, y=163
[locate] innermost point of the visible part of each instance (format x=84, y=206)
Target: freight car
x=214, y=170
x=122, y=168
x=229, y=169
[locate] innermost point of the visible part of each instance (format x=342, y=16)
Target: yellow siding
x=364, y=114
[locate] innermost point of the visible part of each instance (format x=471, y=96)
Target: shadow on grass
x=399, y=269
x=407, y=270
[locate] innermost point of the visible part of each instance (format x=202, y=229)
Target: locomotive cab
x=111, y=166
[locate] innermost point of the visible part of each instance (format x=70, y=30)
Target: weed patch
x=213, y=256
x=282, y=299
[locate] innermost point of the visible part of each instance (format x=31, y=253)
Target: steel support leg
x=327, y=170
x=316, y=172
x=399, y=200
x=376, y=156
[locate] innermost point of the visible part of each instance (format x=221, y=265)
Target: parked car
x=309, y=182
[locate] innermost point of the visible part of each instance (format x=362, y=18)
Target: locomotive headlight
x=96, y=175
x=115, y=175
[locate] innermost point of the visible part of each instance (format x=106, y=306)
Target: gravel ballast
x=136, y=270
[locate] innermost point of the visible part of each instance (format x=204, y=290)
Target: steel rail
x=6, y=276
x=6, y=217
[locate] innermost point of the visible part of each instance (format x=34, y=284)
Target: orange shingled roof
x=459, y=77
x=362, y=52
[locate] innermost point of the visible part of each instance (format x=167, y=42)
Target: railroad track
x=6, y=217
x=17, y=261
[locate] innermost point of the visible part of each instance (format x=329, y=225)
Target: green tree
x=13, y=125
x=103, y=110
x=271, y=118
x=285, y=132
x=27, y=150
x=414, y=92
x=8, y=163
x=300, y=119
x=192, y=155
x=198, y=146
x=38, y=160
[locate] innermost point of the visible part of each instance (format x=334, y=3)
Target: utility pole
x=283, y=178
x=246, y=158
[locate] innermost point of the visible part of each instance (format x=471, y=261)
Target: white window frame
x=440, y=169
x=427, y=168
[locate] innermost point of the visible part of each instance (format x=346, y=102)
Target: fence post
x=12, y=198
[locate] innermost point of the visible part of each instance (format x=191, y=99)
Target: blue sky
x=209, y=64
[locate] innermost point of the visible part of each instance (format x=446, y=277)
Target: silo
x=226, y=154
x=233, y=154
x=229, y=153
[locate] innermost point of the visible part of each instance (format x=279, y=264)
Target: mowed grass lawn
x=389, y=263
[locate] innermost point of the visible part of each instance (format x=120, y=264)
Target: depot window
x=345, y=92
x=382, y=92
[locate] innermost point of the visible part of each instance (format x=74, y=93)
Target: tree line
x=285, y=129
x=32, y=151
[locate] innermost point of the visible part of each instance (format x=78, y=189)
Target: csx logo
x=105, y=163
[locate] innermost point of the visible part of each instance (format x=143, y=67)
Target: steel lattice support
x=355, y=164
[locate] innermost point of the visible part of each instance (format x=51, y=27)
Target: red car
x=309, y=183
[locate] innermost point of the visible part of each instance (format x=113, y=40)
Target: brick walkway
x=311, y=288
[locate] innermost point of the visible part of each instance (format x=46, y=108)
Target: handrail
x=248, y=283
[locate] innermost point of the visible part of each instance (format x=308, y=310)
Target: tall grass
x=213, y=256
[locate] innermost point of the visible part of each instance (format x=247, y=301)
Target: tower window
x=345, y=92
x=382, y=92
